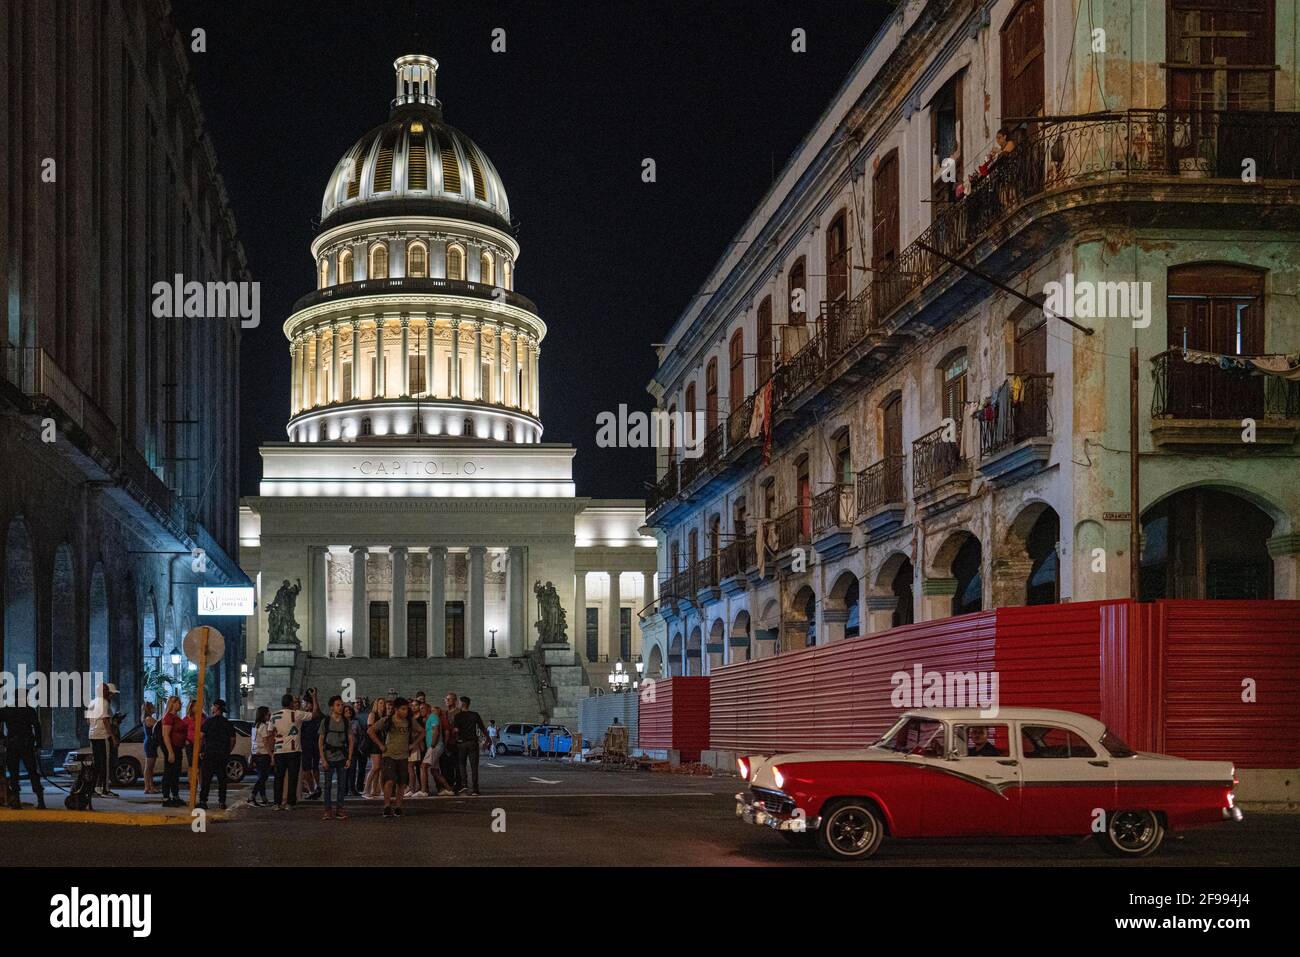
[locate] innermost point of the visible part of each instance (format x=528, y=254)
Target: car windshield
x=914, y=736
x=1115, y=745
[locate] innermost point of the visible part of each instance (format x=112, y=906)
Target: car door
x=977, y=789
x=1067, y=779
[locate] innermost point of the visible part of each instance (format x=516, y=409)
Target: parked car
x=550, y=739
x=129, y=770
x=952, y=773
x=514, y=738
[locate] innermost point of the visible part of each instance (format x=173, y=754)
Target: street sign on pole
x=202, y=645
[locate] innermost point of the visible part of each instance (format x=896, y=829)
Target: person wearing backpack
x=336, y=747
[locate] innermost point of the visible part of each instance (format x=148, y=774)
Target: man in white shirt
x=103, y=737
x=287, y=723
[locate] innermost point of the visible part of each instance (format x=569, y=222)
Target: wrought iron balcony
x=738, y=557
x=935, y=459
x=1200, y=405
x=794, y=528
x=1022, y=409
x=706, y=573
x=832, y=509
x=880, y=484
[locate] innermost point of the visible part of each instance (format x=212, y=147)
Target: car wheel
x=126, y=773
x=850, y=831
x=235, y=770
x=1132, y=834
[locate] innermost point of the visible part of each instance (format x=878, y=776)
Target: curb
x=129, y=818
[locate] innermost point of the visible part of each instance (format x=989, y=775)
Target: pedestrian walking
x=336, y=746
x=214, y=753
x=435, y=747
x=103, y=737
x=468, y=726
x=263, y=747
x=493, y=734
x=173, y=741
x=287, y=723
x=22, y=734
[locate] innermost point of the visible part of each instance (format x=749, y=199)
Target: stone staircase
x=498, y=688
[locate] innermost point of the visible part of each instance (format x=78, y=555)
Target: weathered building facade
x=117, y=427
x=910, y=380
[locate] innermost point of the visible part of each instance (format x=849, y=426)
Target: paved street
x=558, y=814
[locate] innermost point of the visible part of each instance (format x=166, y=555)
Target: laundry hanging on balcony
x=760, y=420
x=1282, y=366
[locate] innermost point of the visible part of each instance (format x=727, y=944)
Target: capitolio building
x=415, y=508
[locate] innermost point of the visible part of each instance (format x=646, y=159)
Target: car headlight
x=779, y=778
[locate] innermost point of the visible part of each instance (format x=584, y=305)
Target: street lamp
x=175, y=654
x=339, y=653
x=493, y=652
x=618, y=678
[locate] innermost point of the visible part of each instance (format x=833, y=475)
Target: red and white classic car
x=948, y=772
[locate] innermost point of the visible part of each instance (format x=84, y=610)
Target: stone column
x=397, y=608
x=515, y=571
x=437, y=601
x=477, y=390
x=580, y=611
x=454, y=385
x=380, y=371
x=500, y=363
x=428, y=354
x=474, y=613
x=356, y=359
x=518, y=372
x=336, y=351
x=295, y=364
x=880, y=613
x=360, y=625
x=647, y=589
x=1285, y=552
x=535, y=396
x=936, y=598
x=610, y=646
x=318, y=578
x=404, y=377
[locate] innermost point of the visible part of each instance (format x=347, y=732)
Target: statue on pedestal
x=551, y=625
x=282, y=627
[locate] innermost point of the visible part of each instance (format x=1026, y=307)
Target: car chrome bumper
x=753, y=812
x=1232, y=814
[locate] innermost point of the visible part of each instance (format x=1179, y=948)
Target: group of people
x=172, y=738
x=389, y=749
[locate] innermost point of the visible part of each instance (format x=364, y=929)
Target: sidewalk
x=131, y=807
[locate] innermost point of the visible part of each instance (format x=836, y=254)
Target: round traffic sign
x=193, y=643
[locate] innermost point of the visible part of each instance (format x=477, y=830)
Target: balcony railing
x=880, y=484
x=832, y=508
x=1194, y=390
x=1022, y=409
x=738, y=557
x=935, y=458
x=794, y=528
x=408, y=284
x=706, y=572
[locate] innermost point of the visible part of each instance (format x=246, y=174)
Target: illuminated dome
x=414, y=163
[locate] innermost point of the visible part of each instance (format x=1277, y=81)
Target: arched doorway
x=841, y=613
x=694, y=663
x=655, y=663
x=676, y=655
x=1027, y=567
x=20, y=601
x=890, y=603
x=900, y=586
x=63, y=649
x=740, y=638
x=717, y=649
x=966, y=569
x=1189, y=552
x=801, y=622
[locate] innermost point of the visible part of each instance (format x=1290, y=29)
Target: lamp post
x=339, y=653
x=492, y=652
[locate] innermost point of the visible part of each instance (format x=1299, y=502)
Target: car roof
x=1073, y=718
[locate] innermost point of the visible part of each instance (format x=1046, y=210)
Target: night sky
x=711, y=91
